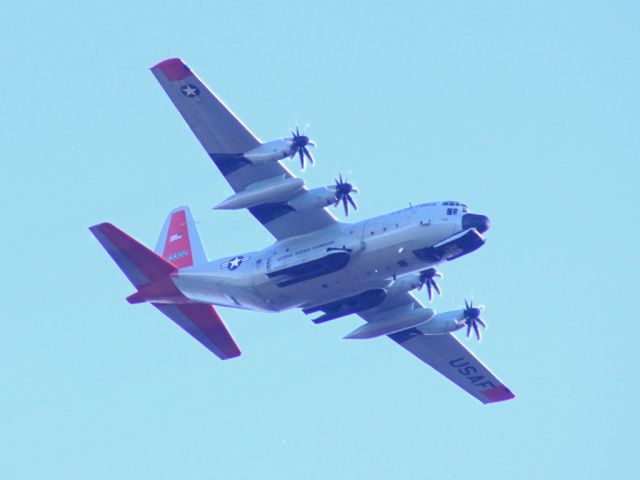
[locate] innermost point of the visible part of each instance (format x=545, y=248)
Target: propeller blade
x=301, y=159
x=352, y=202
x=468, y=329
x=476, y=329
x=435, y=286
x=308, y=154
x=346, y=207
x=481, y=322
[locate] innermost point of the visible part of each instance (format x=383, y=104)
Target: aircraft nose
x=480, y=222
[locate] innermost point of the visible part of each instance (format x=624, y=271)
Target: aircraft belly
x=382, y=257
x=313, y=276
x=237, y=292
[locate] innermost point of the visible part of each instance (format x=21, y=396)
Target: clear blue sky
x=527, y=111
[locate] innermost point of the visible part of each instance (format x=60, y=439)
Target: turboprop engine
x=445, y=322
x=324, y=196
x=315, y=198
x=276, y=150
x=455, y=320
x=423, y=319
x=269, y=152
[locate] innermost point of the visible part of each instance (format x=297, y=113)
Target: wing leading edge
x=445, y=353
x=226, y=138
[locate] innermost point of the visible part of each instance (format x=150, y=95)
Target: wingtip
x=173, y=69
x=231, y=355
x=98, y=226
x=498, y=394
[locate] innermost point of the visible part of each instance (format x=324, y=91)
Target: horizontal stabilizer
x=203, y=323
x=150, y=273
x=140, y=264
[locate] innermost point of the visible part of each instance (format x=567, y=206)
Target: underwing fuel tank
x=262, y=192
x=424, y=319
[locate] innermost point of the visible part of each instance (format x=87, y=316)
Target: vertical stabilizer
x=179, y=240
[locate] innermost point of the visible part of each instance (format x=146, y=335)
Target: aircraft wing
x=226, y=138
x=445, y=353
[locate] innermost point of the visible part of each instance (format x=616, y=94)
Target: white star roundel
x=234, y=263
x=190, y=90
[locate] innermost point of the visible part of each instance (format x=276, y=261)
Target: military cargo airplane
x=323, y=266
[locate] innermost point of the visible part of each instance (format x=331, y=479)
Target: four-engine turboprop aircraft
x=323, y=266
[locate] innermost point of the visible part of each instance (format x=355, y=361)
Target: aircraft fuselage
x=336, y=262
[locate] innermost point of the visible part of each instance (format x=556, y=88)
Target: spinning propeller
x=343, y=191
x=472, y=318
x=427, y=277
x=299, y=144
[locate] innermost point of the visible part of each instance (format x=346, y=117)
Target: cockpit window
x=452, y=211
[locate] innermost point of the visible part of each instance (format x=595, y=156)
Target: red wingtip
x=498, y=394
x=173, y=69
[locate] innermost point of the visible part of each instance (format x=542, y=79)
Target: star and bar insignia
x=234, y=263
x=190, y=91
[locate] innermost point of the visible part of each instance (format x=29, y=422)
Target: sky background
x=527, y=111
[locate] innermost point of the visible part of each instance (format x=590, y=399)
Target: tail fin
x=179, y=242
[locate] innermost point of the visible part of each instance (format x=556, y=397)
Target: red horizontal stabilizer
x=202, y=323
x=140, y=264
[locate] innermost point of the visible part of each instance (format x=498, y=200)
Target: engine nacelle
x=404, y=284
x=316, y=198
x=270, y=151
x=445, y=322
x=393, y=322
